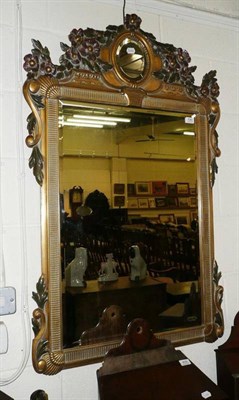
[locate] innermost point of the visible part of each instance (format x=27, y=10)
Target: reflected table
x=83, y=307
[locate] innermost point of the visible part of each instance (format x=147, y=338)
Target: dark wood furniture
x=4, y=396
x=144, y=367
x=83, y=307
x=39, y=395
x=227, y=358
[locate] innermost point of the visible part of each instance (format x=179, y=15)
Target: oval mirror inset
x=131, y=59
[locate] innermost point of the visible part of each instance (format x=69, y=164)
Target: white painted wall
x=213, y=43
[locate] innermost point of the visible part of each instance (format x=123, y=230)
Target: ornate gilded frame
x=89, y=72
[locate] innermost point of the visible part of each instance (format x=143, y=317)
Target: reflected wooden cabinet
x=84, y=307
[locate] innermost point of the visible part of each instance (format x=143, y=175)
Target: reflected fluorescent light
x=188, y=159
x=99, y=118
x=93, y=123
x=188, y=133
x=81, y=124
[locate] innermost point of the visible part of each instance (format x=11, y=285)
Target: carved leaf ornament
x=83, y=53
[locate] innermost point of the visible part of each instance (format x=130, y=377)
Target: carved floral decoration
x=84, y=54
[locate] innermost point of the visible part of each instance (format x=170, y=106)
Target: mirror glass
x=128, y=178
x=130, y=57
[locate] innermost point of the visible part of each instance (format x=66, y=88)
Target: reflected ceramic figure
x=108, y=270
x=137, y=264
x=76, y=269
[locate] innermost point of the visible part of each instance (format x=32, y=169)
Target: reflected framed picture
x=160, y=201
x=151, y=202
x=143, y=203
x=183, y=202
x=166, y=218
x=172, y=190
x=193, y=191
x=182, y=188
x=172, y=202
x=182, y=220
x=119, y=201
x=119, y=188
x=131, y=189
x=132, y=203
x=143, y=188
x=193, y=202
x=159, y=188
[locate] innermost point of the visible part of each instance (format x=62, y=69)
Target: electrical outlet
x=7, y=300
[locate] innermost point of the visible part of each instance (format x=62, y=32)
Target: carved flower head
x=30, y=63
x=215, y=90
x=209, y=86
x=204, y=90
x=89, y=48
x=183, y=56
x=132, y=21
x=72, y=55
x=171, y=63
x=47, y=68
x=76, y=36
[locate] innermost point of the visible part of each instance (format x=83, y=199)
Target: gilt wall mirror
x=124, y=146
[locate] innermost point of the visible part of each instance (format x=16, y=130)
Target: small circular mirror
x=131, y=60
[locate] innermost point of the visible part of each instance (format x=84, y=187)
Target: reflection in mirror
x=129, y=230
x=130, y=58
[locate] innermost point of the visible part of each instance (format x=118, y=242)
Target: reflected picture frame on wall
x=160, y=202
x=143, y=188
x=132, y=203
x=151, y=202
x=182, y=220
x=131, y=189
x=193, y=202
x=159, y=188
x=119, y=188
x=143, y=203
x=193, y=191
x=172, y=189
x=172, y=202
x=182, y=188
x=166, y=218
x=183, y=202
x=119, y=201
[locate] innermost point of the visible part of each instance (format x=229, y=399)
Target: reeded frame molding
x=168, y=85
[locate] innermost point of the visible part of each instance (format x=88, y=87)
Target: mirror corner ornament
x=44, y=361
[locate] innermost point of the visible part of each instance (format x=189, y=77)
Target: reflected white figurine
x=107, y=271
x=137, y=264
x=75, y=271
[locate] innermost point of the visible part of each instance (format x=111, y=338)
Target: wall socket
x=7, y=300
